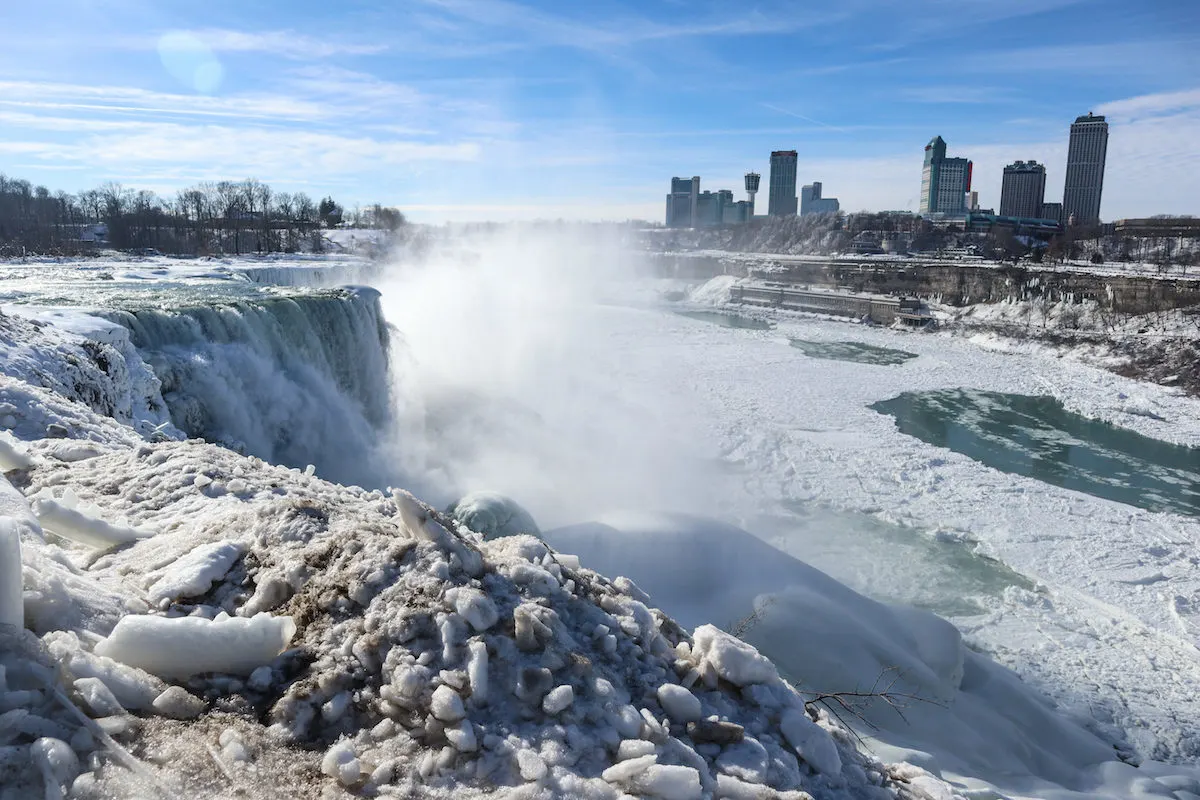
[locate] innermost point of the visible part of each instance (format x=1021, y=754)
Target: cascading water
x=293, y=380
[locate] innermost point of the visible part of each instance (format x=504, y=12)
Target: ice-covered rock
x=184, y=646
x=634, y=748
x=493, y=515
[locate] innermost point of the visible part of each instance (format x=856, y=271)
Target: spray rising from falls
x=295, y=380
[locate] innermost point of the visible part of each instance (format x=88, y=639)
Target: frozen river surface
x=1080, y=574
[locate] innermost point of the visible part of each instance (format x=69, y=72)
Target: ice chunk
x=186, y=646
x=634, y=748
x=12, y=604
x=680, y=704
x=133, y=688
x=99, y=700
x=731, y=788
x=669, y=782
x=177, y=703
x=73, y=450
x=493, y=515
x=84, y=528
x=12, y=455
x=531, y=765
x=447, y=705
x=746, y=760
x=56, y=761
x=477, y=671
x=812, y=742
x=734, y=660
x=559, y=699
x=474, y=606
x=624, y=771
x=196, y=572
x=340, y=762
x=462, y=737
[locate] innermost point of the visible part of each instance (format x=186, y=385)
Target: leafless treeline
x=214, y=217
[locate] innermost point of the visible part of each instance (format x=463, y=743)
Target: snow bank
x=424, y=661
x=964, y=713
x=184, y=646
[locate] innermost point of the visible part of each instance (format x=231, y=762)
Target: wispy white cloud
x=800, y=116
x=221, y=151
x=607, y=34
x=126, y=99
x=1148, y=105
x=285, y=43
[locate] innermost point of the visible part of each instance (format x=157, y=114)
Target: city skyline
x=495, y=109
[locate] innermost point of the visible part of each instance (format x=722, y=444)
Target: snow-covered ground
x=769, y=260
x=425, y=661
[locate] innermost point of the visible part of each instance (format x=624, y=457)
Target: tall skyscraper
x=1085, y=169
x=682, y=201
x=781, y=201
x=1023, y=190
x=944, y=181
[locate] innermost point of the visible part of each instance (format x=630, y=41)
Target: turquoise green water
x=1038, y=438
x=853, y=351
x=726, y=320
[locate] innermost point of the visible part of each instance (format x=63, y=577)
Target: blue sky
x=497, y=109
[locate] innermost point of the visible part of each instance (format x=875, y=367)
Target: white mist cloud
x=506, y=380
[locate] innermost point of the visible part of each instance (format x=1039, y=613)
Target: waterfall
x=294, y=380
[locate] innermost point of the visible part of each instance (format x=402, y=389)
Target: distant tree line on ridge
x=222, y=217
